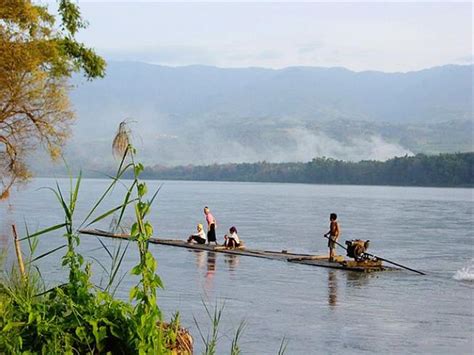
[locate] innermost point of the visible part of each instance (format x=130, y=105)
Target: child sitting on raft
x=232, y=240
x=199, y=237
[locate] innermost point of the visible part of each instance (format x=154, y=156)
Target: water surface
x=317, y=310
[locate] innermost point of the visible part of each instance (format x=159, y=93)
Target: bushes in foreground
x=78, y=316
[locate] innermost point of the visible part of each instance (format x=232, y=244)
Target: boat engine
x=356, y=249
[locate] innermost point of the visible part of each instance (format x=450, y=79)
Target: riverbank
x=443, y=170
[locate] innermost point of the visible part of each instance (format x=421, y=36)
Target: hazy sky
x=360, y=36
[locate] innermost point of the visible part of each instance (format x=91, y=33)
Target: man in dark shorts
x=333, y=234
x=211, y=226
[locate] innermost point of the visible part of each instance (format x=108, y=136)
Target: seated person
x=232, y=240
x=199, y=237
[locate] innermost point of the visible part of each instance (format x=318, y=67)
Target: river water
x=315, y=310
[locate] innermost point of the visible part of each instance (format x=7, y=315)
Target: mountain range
x=203, y=114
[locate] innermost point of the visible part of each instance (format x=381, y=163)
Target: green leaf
x=138, y=169
x=142, y=189
x=125, y=203
x=11, y=325
x=136, y=270
x=105, y=247
x=150, y=261
x=155, y=194
x=148, y=229
x=81, y=333
x=76, y=192
x=47, y=253
x=117, y=266
x=134, y=230
x=44, y=231
x=133, y=292
x=109, y=212
x=159, y=282
x=66, y=209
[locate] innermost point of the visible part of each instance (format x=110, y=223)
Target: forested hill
x=455, y=170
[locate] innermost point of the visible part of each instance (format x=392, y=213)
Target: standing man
x=211, y=226
x=333, y=235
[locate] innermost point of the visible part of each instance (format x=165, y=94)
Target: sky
x=390, y=37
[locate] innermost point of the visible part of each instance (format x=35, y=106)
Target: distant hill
x=441, y=93
x=202, y=114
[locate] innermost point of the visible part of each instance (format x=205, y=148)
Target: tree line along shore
x=444, y=170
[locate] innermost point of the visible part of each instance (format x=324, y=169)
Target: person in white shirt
x=232, y=239
x=199, y=237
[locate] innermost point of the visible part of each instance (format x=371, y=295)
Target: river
x=316, y=310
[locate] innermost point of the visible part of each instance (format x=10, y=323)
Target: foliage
x=73, y=317
x=78, y=316
x=419, y=170
x=146, y=312
x=36, y=58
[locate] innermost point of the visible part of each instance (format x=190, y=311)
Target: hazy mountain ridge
x=441, y=93
x=202, y=114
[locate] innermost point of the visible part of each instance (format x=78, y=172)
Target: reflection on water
x=211, y=263
x=206, y=261
x=332, y=288
x=200, y=258
x=232, y=261
x=211, y=271
x=358, y=279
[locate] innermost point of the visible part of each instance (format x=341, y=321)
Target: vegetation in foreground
x=78, y=316
x=454, y=170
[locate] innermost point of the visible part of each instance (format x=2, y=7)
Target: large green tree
x=37, y=56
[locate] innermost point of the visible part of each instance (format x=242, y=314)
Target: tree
x=36, y=59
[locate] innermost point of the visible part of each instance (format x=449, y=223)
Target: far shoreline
x=450, y=170
x=93, y=177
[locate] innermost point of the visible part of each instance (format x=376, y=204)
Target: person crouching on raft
x=232, y=240
x=333, y=235
x=211, y=226
x=199, y=237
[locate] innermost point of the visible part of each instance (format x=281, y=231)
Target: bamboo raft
x=307, y=259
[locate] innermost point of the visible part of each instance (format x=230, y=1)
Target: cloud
x=166, y=55
x=311, y=47
x=469, y=59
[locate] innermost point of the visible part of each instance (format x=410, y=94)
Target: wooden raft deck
x=307, y=259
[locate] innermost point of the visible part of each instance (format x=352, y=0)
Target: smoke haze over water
x=284, y=145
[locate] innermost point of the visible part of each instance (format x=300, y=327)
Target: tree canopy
x=419, y=170
x=37, y=56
